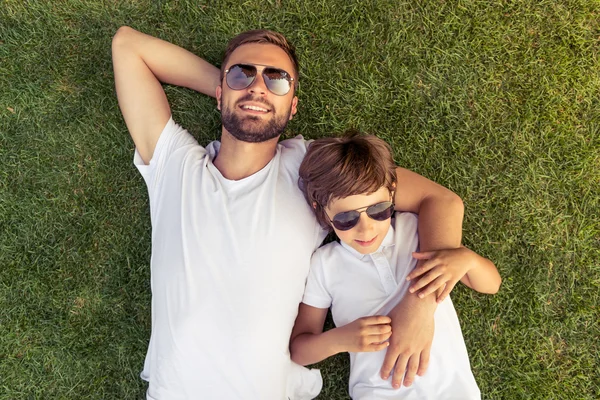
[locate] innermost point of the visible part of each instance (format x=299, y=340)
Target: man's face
x=254, y=114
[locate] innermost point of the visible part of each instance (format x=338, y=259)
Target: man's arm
x=141, y=63
x=440, y=227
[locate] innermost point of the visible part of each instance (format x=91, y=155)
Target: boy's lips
x=365, y=243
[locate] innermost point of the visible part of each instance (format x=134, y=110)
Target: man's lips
x=365, y=243
x=254, y=108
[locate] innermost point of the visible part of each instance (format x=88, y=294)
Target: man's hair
x=262, y=36
x=338, y=167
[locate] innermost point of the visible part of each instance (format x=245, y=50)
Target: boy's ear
x=314, y=205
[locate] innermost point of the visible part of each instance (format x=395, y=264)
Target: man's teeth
x=255, y=108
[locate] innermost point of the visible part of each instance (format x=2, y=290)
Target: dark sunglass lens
x=277, y=81
x=346, y=220
x=240, y=76
x=381, y=211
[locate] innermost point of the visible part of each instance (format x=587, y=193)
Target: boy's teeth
x=255, y=108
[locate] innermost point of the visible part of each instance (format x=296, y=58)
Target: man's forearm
x=169, y=63
x=440, y=222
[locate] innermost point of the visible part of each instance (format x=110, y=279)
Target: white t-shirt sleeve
x=172, y=138
x=316, y=293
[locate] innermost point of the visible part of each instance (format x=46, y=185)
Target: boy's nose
x=365, y=223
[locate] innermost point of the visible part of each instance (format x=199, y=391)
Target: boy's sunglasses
x=348, y=219
x=240, y=76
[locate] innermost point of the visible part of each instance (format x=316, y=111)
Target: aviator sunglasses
x=240, y=76
x=348, y=219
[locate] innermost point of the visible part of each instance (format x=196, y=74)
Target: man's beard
x=252, y=129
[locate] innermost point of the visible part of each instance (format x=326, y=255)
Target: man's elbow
x=121, y=37
x=455, y=203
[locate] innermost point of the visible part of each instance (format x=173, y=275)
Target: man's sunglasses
x=349, y=219
x=240, y=76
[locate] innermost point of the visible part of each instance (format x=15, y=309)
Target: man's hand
x=440, y=270
x=365, y=334
x=410, y=343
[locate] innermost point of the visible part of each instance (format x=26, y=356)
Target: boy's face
x=367, y=235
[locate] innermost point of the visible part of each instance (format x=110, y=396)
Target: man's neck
x=238, y=160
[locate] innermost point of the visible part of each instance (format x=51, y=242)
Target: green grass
x=498, y=101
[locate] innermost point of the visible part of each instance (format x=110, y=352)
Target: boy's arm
x=141, y=62
x=483, y=276
x=440, y=227
x=444, y=268
x=309, y=344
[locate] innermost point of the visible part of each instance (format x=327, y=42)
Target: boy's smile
x=367, y=235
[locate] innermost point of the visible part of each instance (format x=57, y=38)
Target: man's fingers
x=411, y=370
x=424, y=362
x=388, y=362
x=401, y=365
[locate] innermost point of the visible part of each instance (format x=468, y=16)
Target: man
x=232, y=235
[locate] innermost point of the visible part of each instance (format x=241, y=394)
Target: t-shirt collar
x=387, y=242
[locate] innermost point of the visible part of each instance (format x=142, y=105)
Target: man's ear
x=294, y=107
x=218, y=94
x=314, y=205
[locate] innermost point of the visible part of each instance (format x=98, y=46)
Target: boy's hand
x=365, y=334
x=440, y=268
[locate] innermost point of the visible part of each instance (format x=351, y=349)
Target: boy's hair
x=262, y=36
x=338, y=167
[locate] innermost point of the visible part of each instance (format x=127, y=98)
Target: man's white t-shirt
x=229, y=263
x=356, y=285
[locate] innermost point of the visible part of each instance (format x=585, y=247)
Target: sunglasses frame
x=360, y=211
x=286, y=74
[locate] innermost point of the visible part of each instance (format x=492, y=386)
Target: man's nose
x=258, y=86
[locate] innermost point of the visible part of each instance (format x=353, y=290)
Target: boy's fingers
x=380, y=338
x=424, y=281
x=377, y=320
x=445, y=292
x=379, y=347
x=421, y=269
x=422, y=255
x=433, y=286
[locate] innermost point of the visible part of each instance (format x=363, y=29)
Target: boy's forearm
x=483, y=277
x=169, y=63
x=310, y=348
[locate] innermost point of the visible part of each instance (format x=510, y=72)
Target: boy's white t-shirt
x=356, y=285
x=229, y=263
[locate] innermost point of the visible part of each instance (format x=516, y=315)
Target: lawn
x=498, y=101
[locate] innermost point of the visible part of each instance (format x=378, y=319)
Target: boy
x=350, y=183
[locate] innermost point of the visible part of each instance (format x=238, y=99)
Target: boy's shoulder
x=327, y=250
